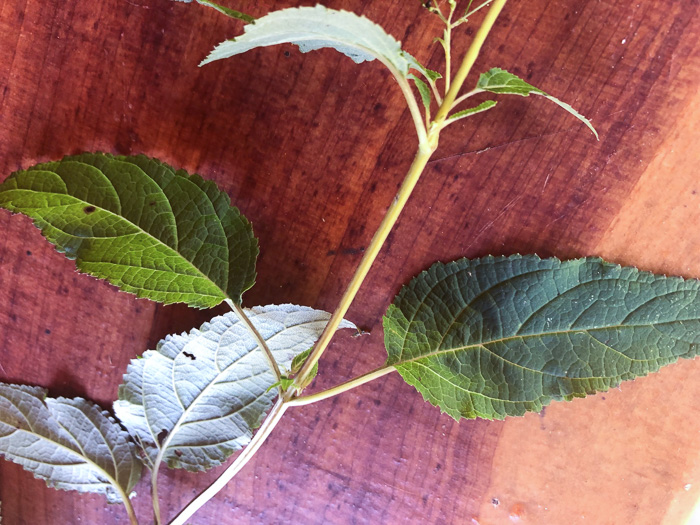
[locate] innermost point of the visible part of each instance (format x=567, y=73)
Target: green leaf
x=297, y=363
x=500, y=336
x=197, y=398
x=427, y=73
x=500, y=81
x=141, y=225
x=317, y=27
x=225, y=10
x=70, y=443
x=423, y=89
x=472, y=111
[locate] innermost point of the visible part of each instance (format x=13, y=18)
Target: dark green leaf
x=427, y=73
x=423, y=89
x=141, y=225
x=500, y=81
x=500, y=336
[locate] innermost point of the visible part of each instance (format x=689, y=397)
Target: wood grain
x=312, y=149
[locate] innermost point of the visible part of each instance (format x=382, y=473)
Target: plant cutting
x=485, y=338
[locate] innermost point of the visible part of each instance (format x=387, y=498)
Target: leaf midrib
x=484, y=345
x=141, y=231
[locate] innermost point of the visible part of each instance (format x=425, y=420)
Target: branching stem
x=248, y=452
x=344, y=387
x=428, y=141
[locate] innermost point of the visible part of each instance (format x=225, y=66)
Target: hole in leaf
x=89, y=209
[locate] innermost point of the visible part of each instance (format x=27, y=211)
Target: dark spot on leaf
x=28, y=252
x=377, y=402
x=152, y=203
x=47, y=331
x=190, y=356
x=425, y=499
x=178, y=453
x=438, y=467
x=161, y=436
x=89, y=209
x=287, y=53
x=495, y=502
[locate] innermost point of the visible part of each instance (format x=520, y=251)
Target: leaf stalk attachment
x=421, y=159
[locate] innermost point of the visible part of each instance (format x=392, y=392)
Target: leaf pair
x=362, y=40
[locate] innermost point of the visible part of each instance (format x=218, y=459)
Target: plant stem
x=392, y=214
x=343, y=387
x=258, y=337
x=248, y=452
x=425, y=150
x=468, y=61
x=129, y=509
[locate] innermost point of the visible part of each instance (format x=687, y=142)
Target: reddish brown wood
x=312, y=149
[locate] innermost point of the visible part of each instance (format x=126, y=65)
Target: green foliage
x=225, y=10
x=317, y=27
x=141, y=225
x=196, y=399
x=500, y=81
x=70, y=443
x=423, y=89
x=500, y=336
x=484, y=106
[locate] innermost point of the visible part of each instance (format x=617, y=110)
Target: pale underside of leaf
x=500, y=336
x=144, y=227
x=497, y=80
x=70, y=443
x=317, y=27
x=199, y=396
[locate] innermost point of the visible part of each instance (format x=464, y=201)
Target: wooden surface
x=312, y=148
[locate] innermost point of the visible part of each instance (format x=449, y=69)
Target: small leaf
x=70, y=443
x=427, y=73
x=198, y=397
x=423, y=89
x=500, y=81
x=297, y=363
x=225, y=10
x=488, y=104
x=317, y=27
x=500, y=336
x=141, y=225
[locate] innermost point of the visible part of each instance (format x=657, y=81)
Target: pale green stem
x=425, y=151
x=468, y=62
x=248, y=452
x=464, y=97
x=344, y=387
x=370, y=255
x=258, y=338
x=427, y=145
x=470, y=13
x=129, y=508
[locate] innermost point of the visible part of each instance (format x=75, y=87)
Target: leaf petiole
x=343, y=387
x=258, y=338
